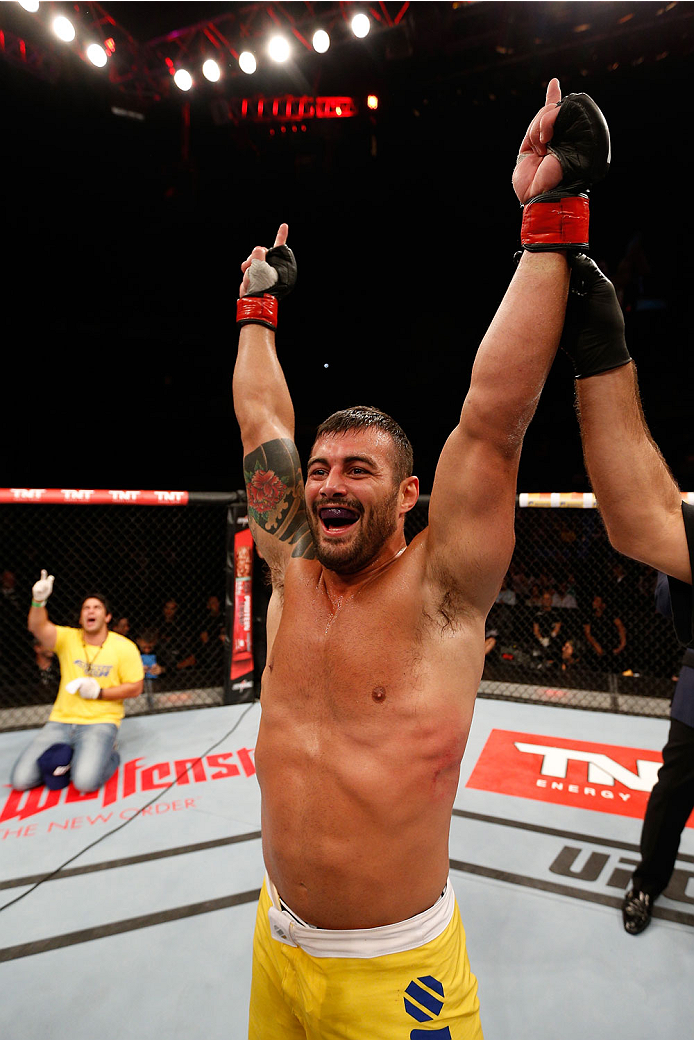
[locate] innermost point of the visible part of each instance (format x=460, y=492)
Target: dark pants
x=669, y=806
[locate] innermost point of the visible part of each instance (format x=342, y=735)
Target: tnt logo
x=425, y=1005
x=76, y=494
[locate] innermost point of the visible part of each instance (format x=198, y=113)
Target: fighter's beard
x=374, y=531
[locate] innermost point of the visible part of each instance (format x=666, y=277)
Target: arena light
x=278, y=48
x=63, y=29
x=361, y=26
x=320, y=41
x=183, y=79
x=31, y=6
x=247, y=63
x=211, y=71
x=97, y=55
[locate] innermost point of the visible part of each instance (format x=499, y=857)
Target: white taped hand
x=87, y=688
x=261, y=276
x=42, y=589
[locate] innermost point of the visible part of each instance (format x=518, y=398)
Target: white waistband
x=361, y=942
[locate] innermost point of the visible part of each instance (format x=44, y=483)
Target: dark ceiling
x=125, y=234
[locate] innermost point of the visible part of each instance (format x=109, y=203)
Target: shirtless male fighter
x=376, y=648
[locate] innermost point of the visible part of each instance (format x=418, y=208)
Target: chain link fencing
x=575, y=622
x=167, y=573
x=574, y=625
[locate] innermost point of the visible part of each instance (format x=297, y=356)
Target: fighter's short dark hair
x=361, y=417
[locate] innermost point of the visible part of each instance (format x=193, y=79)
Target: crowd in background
x=179, y=648
x=570, y=626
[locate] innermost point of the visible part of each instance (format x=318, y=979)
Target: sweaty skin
x=375, y=647
x=367, y=702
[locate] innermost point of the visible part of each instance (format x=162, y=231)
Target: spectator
x=173, y=649
x=12, y=629
x=46, y=670
x=606, y=636
x=563, y=599
x=519, y=580
x=546, y=628
x=569, y=655
x=147, y=643
x=211, y=640
x=99, y=670
x=8, y=589
x=506, y=594
x=121, y=625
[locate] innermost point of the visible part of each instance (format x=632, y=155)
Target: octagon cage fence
x=574, y=623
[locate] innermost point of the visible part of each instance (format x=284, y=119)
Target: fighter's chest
x=359, y=647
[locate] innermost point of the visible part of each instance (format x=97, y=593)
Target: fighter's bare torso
x=367, y=702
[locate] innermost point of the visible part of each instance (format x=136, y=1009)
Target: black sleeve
x=680, y=592
x=663, y=603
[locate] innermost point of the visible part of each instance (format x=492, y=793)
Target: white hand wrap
x=261, y=276
x=87, y=688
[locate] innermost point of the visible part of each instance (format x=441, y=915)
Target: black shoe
x=636, y=911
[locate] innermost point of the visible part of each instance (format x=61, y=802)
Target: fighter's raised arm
x=470, y=538
x=265, y=412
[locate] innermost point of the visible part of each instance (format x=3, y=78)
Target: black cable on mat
x=120, y=826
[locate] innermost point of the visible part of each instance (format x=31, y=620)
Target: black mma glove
x=270, y=280
x=593, y=335
x=559, y=219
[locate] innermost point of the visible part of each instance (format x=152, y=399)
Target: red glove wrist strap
x=558, y=224
x=257, y=310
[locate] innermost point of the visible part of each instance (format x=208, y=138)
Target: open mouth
x=337, y=519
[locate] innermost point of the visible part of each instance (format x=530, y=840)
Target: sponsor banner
x=90, y=496
x=132, y=778
x=242, y=636
x=602, y=777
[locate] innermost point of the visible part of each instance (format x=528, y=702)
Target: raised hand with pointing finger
x=42, y=589
x=268, y=275
x=566, y=149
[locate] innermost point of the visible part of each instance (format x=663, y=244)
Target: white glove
x=87, y=688
x=42, y=589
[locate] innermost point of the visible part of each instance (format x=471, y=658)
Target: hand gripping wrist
x=593, y=335
x=559, y=219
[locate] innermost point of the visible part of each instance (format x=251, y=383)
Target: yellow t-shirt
x=117, y=661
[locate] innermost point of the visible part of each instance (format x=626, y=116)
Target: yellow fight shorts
x=405, y=981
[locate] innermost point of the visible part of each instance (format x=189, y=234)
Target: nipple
x=379, y=694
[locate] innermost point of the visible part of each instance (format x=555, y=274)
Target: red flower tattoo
x=265, y=490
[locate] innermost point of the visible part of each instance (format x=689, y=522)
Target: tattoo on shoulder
x=275, y=490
